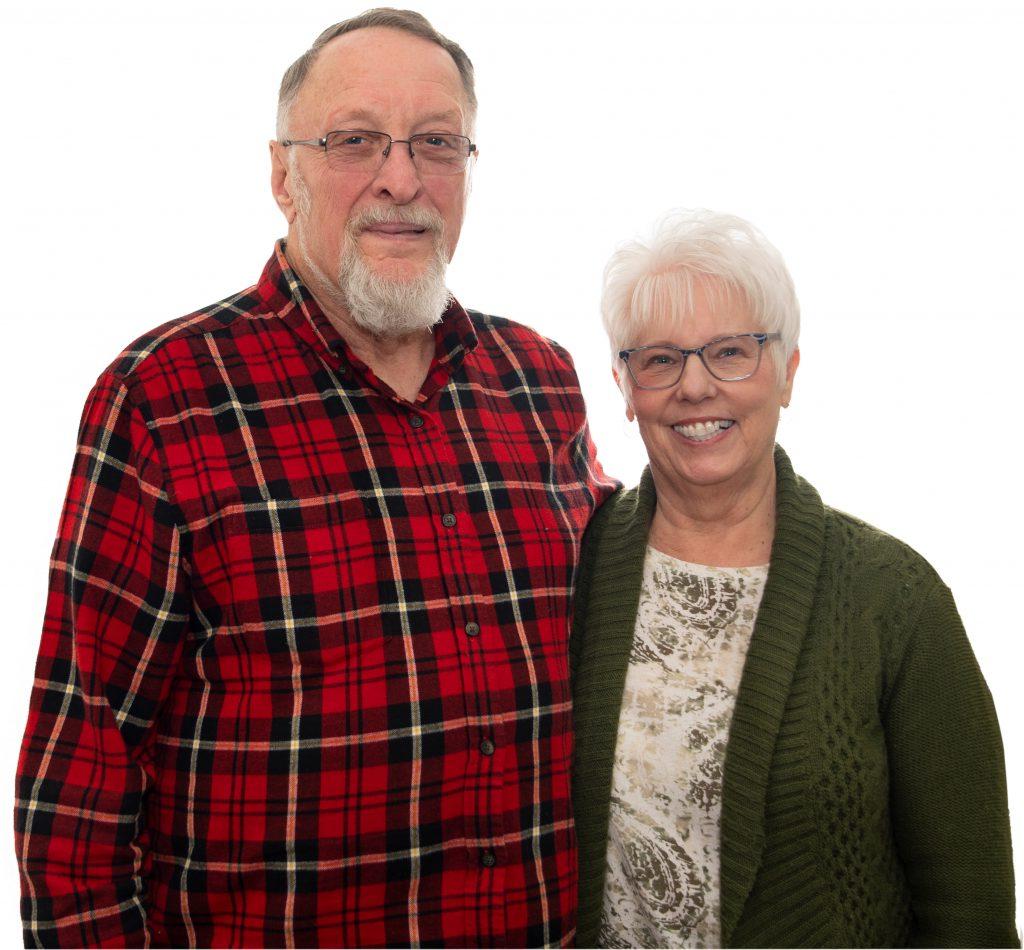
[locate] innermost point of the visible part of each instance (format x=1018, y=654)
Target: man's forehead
x=383, y=56
x=372, y=72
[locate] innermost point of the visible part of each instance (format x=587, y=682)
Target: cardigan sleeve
x=948, y=785
x=581, y=597
x=582, y=585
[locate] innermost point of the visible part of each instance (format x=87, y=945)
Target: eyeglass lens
x=434, y=153
x=731, y=358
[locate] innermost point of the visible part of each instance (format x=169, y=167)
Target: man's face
x=383, y=80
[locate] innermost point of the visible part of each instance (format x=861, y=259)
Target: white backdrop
x=877, y=143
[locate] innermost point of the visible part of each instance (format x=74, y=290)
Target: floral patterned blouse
x=693, y=629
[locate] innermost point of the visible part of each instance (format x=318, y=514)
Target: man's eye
x=350, y=140
x=438, y=142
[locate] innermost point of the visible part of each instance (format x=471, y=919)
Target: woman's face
x=674, y=423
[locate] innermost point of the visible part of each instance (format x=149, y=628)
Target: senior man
x=303, y=674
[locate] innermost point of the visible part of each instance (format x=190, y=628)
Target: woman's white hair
x=723, y=254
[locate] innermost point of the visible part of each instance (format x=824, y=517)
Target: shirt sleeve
x=582, y=450
x=115, y=617
x=601, y=486
x=948, y=786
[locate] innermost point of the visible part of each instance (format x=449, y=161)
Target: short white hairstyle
x=723, y=254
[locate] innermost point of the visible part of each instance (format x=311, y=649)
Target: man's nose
x=398, y=178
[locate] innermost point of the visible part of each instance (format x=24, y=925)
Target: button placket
x=429, y=446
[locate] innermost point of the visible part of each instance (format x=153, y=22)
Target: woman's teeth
x=702, y=431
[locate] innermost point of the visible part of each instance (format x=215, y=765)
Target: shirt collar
x=284, y=293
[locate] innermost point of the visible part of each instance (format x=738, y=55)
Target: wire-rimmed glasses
x=729, y=359
x=433, y=153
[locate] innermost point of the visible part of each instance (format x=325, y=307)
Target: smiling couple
x=305, y=670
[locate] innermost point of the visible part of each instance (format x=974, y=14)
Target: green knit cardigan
x=864, y=794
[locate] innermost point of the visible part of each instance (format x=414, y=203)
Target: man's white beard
x=382, y=306
x=385, y=306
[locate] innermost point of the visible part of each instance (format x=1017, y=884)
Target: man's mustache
x=420, y=218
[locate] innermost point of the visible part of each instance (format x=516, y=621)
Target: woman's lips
x=704, y=430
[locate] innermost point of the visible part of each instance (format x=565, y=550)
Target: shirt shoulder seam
x=216, y=317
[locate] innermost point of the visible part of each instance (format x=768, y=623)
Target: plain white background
x=877, y=144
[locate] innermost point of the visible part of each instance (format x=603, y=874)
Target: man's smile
x=395, y=231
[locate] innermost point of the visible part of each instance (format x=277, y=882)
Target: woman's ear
x=787, y=390
x=630, y=415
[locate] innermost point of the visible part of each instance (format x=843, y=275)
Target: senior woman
x=782, y=736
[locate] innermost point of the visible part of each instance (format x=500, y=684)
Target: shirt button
x=488, y=860
x=416, y=422
x=487, y=747
x=448, y=520
x=472, y=629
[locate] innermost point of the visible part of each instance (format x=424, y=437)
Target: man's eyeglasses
x=728, y=359
x=433, y=153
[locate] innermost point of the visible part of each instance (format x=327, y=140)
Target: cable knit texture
x=864, y=795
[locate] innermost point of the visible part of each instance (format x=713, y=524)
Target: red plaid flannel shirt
x=303, y=675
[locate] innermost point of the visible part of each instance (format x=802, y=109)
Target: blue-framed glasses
x=729, y=359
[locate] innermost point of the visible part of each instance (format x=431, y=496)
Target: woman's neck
x=719, y=525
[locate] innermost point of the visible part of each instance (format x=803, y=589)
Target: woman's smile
x=704, y=431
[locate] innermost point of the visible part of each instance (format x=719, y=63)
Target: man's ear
x=281, y=181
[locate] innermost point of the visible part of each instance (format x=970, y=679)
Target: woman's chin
x=706, y=471
x=711, y=465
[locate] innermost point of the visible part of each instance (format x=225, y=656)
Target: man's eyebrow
x=369, y=121
x=353, y=119
x=444, y=117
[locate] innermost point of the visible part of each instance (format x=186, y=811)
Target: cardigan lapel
x=781, y=625
x=602, y=639
x=598, y=686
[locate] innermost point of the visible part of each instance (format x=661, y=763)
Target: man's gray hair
x=406, y=20
x=727, y=256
